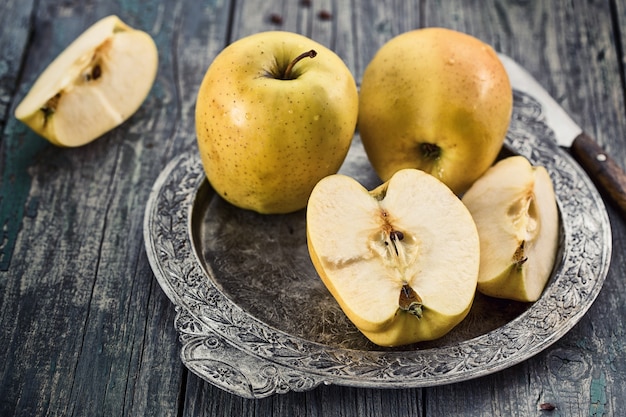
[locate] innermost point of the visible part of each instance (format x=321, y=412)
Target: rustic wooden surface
x=84, y=327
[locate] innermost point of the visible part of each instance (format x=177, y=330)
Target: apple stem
x=310, y=54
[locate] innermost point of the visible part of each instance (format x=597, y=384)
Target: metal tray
x=254, y=318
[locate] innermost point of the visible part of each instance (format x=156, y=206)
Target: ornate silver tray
x=254, y=318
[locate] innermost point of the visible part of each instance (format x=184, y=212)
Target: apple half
x=514, y=207
x=94, y=85
x=401, y=261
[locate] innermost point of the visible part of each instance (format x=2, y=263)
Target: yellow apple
x=275, y=113
x=515, y=210
x=94, y=85
x=401, y=260
x=437, y=100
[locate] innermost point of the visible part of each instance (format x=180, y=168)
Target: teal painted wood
x=85, y=328
x=14, y=184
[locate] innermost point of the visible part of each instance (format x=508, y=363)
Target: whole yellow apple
x=275, y=113
x=437, y=100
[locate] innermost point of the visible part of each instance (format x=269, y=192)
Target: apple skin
x=437, y=100
x=403, y=330
x=264, y=141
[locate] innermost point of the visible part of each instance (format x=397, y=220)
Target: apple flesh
x=401, y=261
x=273, y=118
x=437, y=100
x=94, y=85
x=514, y=207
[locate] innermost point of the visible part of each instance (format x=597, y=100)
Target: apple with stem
x=275, y=113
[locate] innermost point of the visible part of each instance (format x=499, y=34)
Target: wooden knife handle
x=602, y=169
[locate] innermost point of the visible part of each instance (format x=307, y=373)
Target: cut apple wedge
x=401, y=261
x=94, y=85
x=514, y=207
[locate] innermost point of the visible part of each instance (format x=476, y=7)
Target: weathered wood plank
x=86, y=329
x=12, y=47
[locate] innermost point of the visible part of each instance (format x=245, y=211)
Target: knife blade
x=601, y=168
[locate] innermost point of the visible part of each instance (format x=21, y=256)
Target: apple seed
x=96, y=72
x=276, y=19
x=325, y=15
x=395, y=235
x=93, y=74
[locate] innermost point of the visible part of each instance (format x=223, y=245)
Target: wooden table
x=85, y=328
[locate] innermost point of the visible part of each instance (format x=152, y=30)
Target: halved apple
x=401, y=261
x=514, y=207
x=94, y=85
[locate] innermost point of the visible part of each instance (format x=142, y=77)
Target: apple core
x=397, y=265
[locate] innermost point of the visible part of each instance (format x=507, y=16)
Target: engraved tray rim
x=232, y=349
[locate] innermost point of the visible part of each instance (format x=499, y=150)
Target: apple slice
x=94, y=85
x=401, y=261
x=515, y=211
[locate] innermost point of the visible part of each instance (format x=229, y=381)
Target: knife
x=600, y=167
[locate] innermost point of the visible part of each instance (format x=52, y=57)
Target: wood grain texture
x=601, y=167
x=86, y=329
x=13, y=184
